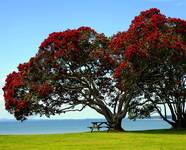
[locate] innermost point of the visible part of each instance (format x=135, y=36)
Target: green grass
x=143, y=140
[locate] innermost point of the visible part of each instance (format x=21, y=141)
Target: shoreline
x=72, y=126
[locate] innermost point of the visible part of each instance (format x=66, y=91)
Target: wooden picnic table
x=98, y=125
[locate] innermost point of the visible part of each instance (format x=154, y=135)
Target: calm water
x=69, y=126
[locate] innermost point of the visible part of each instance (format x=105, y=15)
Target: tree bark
x=179, y=124
x=115, y=124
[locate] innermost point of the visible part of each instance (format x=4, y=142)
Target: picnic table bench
x=99, y=125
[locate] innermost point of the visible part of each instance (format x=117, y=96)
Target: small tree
x=154, y=50
x=72, y=70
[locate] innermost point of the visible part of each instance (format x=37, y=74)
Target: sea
x=72, y=126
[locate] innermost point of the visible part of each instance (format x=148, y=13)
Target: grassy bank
x=144, y=140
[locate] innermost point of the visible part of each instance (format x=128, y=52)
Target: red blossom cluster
x=16, y=92
x=133, y=50
x=146, y=22
x=17, y=95
x=60, y=42
x=117, y=42
x=25, y=67
x=178, y=25
x=150, y=12
x=151, y=36
x=14, y=81
x=76, y=45
x=119, y=69
x=63, y=44
x=42, y=90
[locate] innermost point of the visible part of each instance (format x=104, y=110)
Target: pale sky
x=25, y=24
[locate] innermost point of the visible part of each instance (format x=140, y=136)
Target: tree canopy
x=72, y=70
x=139, y=71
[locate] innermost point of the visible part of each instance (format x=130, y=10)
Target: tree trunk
x=179, y=124
x=115, y=124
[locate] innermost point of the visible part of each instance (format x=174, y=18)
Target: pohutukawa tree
x=154, y=49
x=72, y=70
x=75, y=69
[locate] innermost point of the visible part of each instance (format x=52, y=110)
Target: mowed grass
x=143, y=140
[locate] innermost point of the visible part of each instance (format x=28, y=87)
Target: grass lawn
x=142, y=140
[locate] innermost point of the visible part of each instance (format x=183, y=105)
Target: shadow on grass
x=160, y=131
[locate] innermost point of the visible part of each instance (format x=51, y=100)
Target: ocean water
x=72, y=126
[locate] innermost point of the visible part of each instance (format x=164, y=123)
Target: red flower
x=134, y=50
x=157, y=20
x=45, y=89
x=119, y=69
x=7, y=106
x=117, y=42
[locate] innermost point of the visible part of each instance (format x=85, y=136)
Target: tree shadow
x=161, y=131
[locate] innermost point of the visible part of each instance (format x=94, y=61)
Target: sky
x=25, y=24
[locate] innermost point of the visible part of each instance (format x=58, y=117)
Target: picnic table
x=98, y=125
